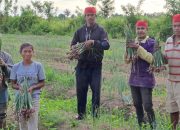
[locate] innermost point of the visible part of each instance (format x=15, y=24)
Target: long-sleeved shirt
x=140, y=76
x=6, y=73
x=94, y=56
x=172, y=54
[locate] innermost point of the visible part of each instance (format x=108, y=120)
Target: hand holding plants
x=89, y=44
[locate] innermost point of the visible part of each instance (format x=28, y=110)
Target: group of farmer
x=89, y=72
x=141, y=81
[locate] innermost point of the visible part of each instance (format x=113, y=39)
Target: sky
x=149, y=6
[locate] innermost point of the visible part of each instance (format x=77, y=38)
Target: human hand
x=89, y=44
x=18, y=87
x=31, y=89
x=2, y=63
x=133, y=45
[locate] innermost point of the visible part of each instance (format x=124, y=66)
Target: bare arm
x=39, y=85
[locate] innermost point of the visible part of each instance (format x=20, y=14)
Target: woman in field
x=141, y=81
x=34, y=72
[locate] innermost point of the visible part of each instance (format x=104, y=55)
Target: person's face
x=27, y=53
x=141, y=31
x=176, y=28
x=90, y=18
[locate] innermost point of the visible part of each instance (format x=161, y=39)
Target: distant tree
x=38, y=7
x=27, y=19
x=15, y=8
x=92, y=2
x=48, y=9
x=1, y=12
x=130, y=9
x=78, y=11
x=116, y=14
x=7, y=7
x=67, y=12
x=172, y=6
x=73, y=16
x=26, y=9
x=138, y=7
x=132, y=12
x=106, y=7
x=155, y=14
x=61, y=16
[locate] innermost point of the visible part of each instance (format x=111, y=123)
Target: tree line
x=42, y=18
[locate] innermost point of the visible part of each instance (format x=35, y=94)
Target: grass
x=58, y=98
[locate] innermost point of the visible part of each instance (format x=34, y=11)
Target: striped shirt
x=172, y=53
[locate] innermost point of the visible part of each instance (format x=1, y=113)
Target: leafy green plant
x=76, y=50
x=131, y=53
x=23, y=101
x=159, y=60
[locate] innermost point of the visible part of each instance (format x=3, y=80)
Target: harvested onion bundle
x=131, y=52
x=76, y=50
x=159, y=60
x=23, y=101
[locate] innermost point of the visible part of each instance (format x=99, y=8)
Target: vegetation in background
x=41, y=18
x=58, y=98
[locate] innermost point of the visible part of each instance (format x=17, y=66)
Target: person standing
x=142, y=81
x=172, y=54
x=6, y=64
x=34, y=72
x=89, y=66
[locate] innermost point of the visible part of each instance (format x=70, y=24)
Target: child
x=36, y=78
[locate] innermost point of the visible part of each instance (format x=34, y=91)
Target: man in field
x=172, y=53
x=5, y=67
x=142, y=81
x=89, y=67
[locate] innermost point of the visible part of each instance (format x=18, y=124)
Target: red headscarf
x=176, y=18
x=142, y=23
x=90, y=10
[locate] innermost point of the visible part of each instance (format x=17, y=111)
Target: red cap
x=176, y=18
x=141, y=23
x=90, y=10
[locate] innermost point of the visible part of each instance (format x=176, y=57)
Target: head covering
x=176, y=18
x=142, y=23
x=90, y=10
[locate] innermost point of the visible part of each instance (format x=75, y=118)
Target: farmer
x=34, y=72
x=5, y=68
x=89, y=67
x=141, y=81
x=172, y=53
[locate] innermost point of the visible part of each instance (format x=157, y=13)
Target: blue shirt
x=33, y=72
